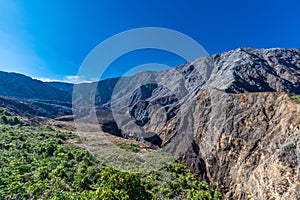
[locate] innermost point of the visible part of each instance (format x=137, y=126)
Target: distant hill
x=49, y=99
x=67, y=87
x=23, y=87
x=31, y=97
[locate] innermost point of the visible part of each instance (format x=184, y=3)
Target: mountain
x=30, y=97
x=49, y=99
x=229, y=117
x=67, y=87
x=23, y=87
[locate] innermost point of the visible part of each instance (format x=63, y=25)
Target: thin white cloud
x=72, y=79
x=66, y=79
x=47, y=79
x=79, y=79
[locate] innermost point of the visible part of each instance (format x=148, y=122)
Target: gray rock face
x=249, y=142
x=229, y=117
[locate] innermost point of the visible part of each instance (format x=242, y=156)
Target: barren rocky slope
x=229, y=117
x=249, y=143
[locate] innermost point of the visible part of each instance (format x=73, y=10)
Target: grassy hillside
x=39, y=163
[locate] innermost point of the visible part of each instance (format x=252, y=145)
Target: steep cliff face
x=250, y=143
x=229, y=117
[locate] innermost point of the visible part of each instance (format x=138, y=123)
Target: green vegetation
x=39, y=163
x=176, y=181
x=7, y=118
x=128, y=146
x=296, y=98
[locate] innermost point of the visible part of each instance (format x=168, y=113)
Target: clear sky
x=50, y=38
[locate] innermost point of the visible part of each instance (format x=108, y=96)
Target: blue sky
x=49, y=39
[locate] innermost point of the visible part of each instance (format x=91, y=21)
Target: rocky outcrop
x=229, y=117
x=250, y=142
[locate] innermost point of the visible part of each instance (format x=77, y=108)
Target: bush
x=296, y=98
x=128, y=146
x=4, y=119
x=7, y=118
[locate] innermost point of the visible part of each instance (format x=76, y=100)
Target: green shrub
x=128, y=146
x=7, y=118
x=4, y=119
x=296, y=98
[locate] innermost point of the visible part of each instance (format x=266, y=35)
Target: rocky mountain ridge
x=229, y=117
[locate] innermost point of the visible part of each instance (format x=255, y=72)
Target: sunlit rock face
x=229, y=117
